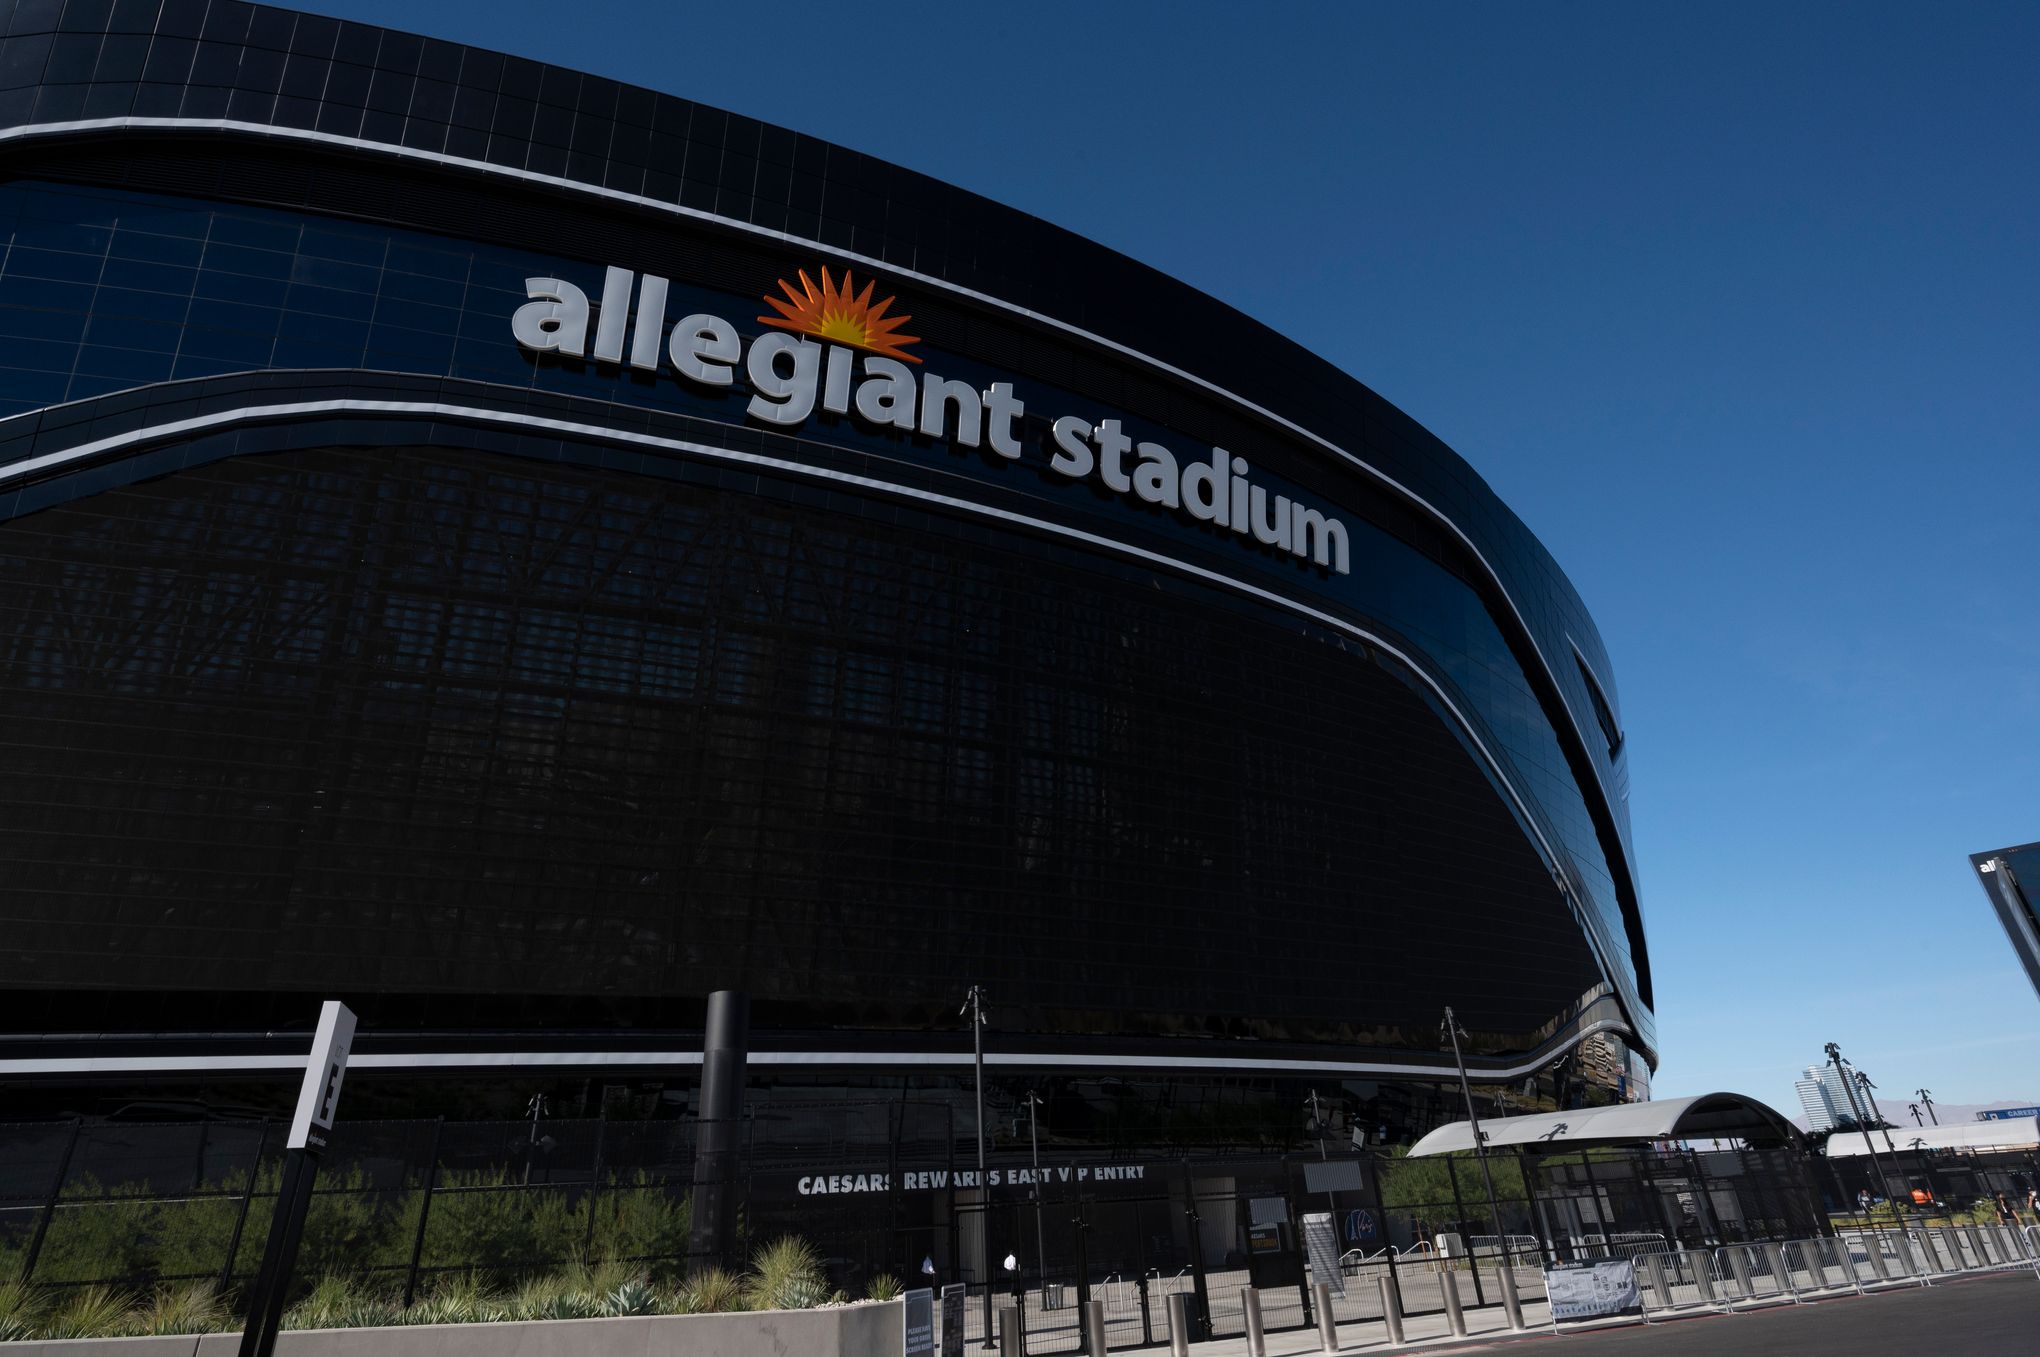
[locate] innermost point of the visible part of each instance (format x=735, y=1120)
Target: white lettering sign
x=932, y=1180
x=791, y=375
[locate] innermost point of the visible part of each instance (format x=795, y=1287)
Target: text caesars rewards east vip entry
x=791, y=375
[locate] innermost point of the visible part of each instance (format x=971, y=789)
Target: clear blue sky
x=1737, y=305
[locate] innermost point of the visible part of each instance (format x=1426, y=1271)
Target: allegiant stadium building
x=520, y=552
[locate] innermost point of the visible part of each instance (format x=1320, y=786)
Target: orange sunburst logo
x=836, y=314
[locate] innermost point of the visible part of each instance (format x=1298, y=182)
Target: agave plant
x=370, y=1313
x=786, y=1274
x=882, y=1286
x=21, y=1309
x=90, y=1312
x=197, y=1308
x=461, y=1298
x=634, y=1297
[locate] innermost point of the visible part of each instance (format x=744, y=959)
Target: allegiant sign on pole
x=791, y=376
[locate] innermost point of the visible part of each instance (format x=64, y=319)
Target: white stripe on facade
x=196, y=1064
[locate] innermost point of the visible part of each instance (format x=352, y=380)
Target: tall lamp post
x=1834, y=1055
x=1927, y=1097
x=1034, y=1144
x=973, y=1004
x=1452, y=1029
x=1870, y=1095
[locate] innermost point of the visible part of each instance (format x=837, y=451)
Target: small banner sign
x=1592, y=1290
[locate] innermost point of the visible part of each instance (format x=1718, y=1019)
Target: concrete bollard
x=1250, y=1308
x=1094, y=1327
x=1179, y=1325
x=1010, y=1342
x=1774, y=1258
x=1512, y=1305
x=1448, y=1287
x=1391, y=1310
x=1327, y=1327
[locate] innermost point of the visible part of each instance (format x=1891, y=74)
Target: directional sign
x=319, y=1097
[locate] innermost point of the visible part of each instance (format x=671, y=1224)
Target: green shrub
x=713, y=1292
x=486, y=1220
x=193, y=1308
x=638, y=1218
x=882, y=1286
x=99, y=1241
x=331, y=1296
x=21, y=1310
x=90, y=1312
x=786, y=1274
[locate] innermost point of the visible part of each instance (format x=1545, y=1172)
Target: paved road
x=1974, y=1317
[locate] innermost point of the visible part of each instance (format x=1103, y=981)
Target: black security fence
x=136, y=1203
x=878, y=1188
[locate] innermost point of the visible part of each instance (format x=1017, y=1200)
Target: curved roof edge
x=1709, y=1115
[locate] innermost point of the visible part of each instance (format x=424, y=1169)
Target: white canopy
x=2010, y=1133
x=1724, y=1115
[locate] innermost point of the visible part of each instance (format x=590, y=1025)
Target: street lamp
x=1034, y=1143
x=1451, y=1028
x=1863, y=1080
x=1834, y=1055
x=974, y=1004
x=1927, y=1097
x=1317, y=1124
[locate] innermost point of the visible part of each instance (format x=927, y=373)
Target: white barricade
x=1681, y=1281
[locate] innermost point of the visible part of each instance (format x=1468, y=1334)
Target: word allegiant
x=792, y=376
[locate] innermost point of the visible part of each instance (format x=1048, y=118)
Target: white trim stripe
x=284, y=1064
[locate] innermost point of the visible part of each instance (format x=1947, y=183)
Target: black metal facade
x=348, y=647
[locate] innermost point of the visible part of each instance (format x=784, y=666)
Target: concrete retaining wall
x=871, y=1330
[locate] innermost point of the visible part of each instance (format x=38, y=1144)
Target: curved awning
x=1708, y=1116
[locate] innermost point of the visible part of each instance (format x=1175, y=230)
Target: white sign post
x=318, y=1100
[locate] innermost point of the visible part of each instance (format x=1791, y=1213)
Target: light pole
x=1869, y=1092
x=1834, y=1055
x=1452, y=1029
x=973, y=1004
x=1914, y=1108
x=1927, y=1097
x=1034, y=1144
x=1317, y=1124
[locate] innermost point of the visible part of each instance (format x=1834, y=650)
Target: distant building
x=1823, y=1097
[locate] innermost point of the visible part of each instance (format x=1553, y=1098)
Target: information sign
x=1321, y=1242
x=952, y=1319
x=1592, y=1290
x=917, y=1323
